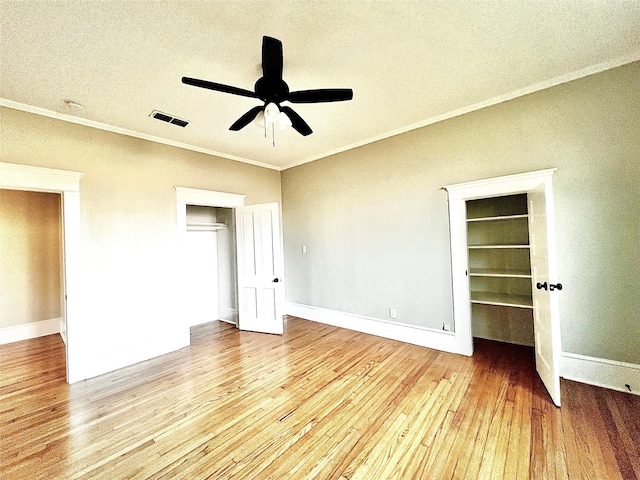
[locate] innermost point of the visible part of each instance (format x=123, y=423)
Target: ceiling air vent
x=169, y=119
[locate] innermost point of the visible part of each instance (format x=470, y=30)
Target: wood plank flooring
x=319, y=402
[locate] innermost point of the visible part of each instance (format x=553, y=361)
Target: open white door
x=545, y=303
x=260, y=282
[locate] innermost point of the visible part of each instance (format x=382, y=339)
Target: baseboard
x=228, y=321
x=424, y=337
x=601, y=372
x=100, y=364
x=63, y=330
x=593, y=371
x=229, y=315
x=17, y=333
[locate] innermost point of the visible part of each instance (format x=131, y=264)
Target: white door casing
x=260, y=267
x=532, y=183
x=38, y=179
x=545, y=308
x=205, y=198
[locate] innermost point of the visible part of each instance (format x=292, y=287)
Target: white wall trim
x=4, y=102
x=229, y=315
x=63, y=330
x=496, y=186
x=457, y=195
x=601, y=372
x=39, y=179
x=552, y=82
x=115, y=360
x=26, y=331
x=205, y=198
x=208, y=198
x=22, y=177
x=424, y=337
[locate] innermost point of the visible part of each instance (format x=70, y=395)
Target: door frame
x=492, y=187
x=67, y=184
x=204, y=198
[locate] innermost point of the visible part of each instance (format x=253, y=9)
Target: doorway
x=211, y=258
x=67, y=184
x=500, y=269
x=31, y=274
x=537, y=188
x=260, y=286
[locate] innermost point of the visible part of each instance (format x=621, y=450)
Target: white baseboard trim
x=229, y=315
x=63, y=330
x=17, y=333
x=580, y=368
x=601, y=372
x=424, y=337
x=107, y=362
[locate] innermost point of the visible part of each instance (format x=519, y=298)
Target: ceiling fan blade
x=296, y=121
x=271, y=58
x=246, y=119
x=219, y=87
x=321, y=95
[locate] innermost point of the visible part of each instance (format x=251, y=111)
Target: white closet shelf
x=497, y=218
x=493, y=272
x=205, y=227
x=502, y=299
x=485, y=247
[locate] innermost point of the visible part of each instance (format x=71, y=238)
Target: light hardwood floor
x=319, y=402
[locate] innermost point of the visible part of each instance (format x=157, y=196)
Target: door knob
x=541, y=286
x=276, y=280
x=557, y=286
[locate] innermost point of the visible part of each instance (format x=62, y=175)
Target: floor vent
x=169, y=119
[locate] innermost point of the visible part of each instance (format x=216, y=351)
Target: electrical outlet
x=446, y=326
x=304, y=249
x=392, y=313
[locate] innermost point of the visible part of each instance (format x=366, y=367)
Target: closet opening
x=503, y=259
x=210, y=265
x=255, y=291
x=500, y=269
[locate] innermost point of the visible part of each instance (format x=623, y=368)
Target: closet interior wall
x=500, y=269
x=211, y=265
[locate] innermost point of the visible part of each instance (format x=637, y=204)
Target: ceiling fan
x=273, y=90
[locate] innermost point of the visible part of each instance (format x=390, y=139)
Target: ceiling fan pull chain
x=273, y=134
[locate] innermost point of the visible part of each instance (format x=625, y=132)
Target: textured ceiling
x=409, y=63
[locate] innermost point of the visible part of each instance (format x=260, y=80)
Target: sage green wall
x=129, y=259
x=375, y=220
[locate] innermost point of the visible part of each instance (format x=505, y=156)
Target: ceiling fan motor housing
x=271, y=90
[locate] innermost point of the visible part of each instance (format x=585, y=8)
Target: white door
x=545, y=302
x=260, y=282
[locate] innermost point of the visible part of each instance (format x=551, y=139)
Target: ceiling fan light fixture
x=271, y=113
x=284, y=121
x=259, y=121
